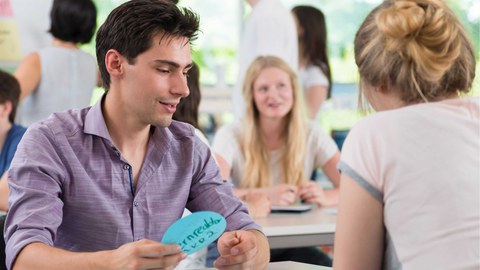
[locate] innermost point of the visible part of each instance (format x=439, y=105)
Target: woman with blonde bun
x=410, y=172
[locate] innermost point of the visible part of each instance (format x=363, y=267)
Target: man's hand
x=146, y=254
x=242, y=250
x=140, y=255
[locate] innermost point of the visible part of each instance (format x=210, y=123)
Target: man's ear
x=113, y=62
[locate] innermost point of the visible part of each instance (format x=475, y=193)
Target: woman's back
x=423, y=163
x=68, y=78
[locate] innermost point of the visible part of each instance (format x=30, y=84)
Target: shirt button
x=126, y=166
x=135, y=203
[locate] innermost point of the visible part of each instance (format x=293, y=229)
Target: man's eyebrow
x=173, y=64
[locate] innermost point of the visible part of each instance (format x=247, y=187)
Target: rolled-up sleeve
x=35, y=207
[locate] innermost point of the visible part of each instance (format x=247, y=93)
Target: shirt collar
x=94, y=121
x=95, y=125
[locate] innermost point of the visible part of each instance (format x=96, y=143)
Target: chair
x=2, y=244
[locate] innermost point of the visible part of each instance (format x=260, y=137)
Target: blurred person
x=275, y=148
x=410, y=172
x=98, y=187
x=61, y=76
x=269, y=30
x=10, y=133
x=314, y=68
x=187, y=109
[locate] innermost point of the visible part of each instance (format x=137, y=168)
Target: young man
x=98, y=187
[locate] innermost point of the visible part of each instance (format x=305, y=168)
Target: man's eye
x=164, y=70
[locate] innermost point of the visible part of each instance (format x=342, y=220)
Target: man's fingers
x=164, y=262
x=155, y=249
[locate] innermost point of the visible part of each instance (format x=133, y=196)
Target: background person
x=314, y=68
x=274, y=150
x=269, y=30
x=10, y=133
x=98, y=187
x=61, y=76
x=187, y=109
x=410, y=172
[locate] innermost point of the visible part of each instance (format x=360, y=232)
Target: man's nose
x=179, y=86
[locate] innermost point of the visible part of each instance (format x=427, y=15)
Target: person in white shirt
x=272, y=152
x=410, y=192
x=269, y=30
x=314, y=67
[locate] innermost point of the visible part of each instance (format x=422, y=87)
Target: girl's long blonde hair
x=257, y=159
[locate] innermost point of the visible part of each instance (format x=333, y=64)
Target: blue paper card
x=195, y=231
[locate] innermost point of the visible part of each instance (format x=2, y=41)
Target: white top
x=68, y=78
x=423, y=163
x=202, y=137
x=320, y=149
x=269, y=30
x=312, y=75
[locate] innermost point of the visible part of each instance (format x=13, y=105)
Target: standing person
x=61, y=76
x=275, y=149
x=96, y=188
x=314, y=68
x=410, y=172
x=10, y=133
x=269, y=30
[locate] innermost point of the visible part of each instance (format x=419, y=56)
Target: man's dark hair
x=130, y=29
x=73, y=20
x=9, y=91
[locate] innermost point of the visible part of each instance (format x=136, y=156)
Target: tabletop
x=313, y=228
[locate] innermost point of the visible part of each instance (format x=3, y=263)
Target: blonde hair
x=257, y=163
x=416, y=46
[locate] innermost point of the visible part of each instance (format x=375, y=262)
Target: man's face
x=153, y=86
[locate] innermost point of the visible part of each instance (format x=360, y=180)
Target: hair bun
x=402, y=20
x=419, y=46
x=422, y=31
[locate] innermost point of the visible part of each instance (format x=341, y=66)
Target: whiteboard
x=30, y=21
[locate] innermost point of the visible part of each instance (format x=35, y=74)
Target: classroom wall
x=24, y=28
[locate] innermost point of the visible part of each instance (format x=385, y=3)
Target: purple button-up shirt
x=70, y=187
